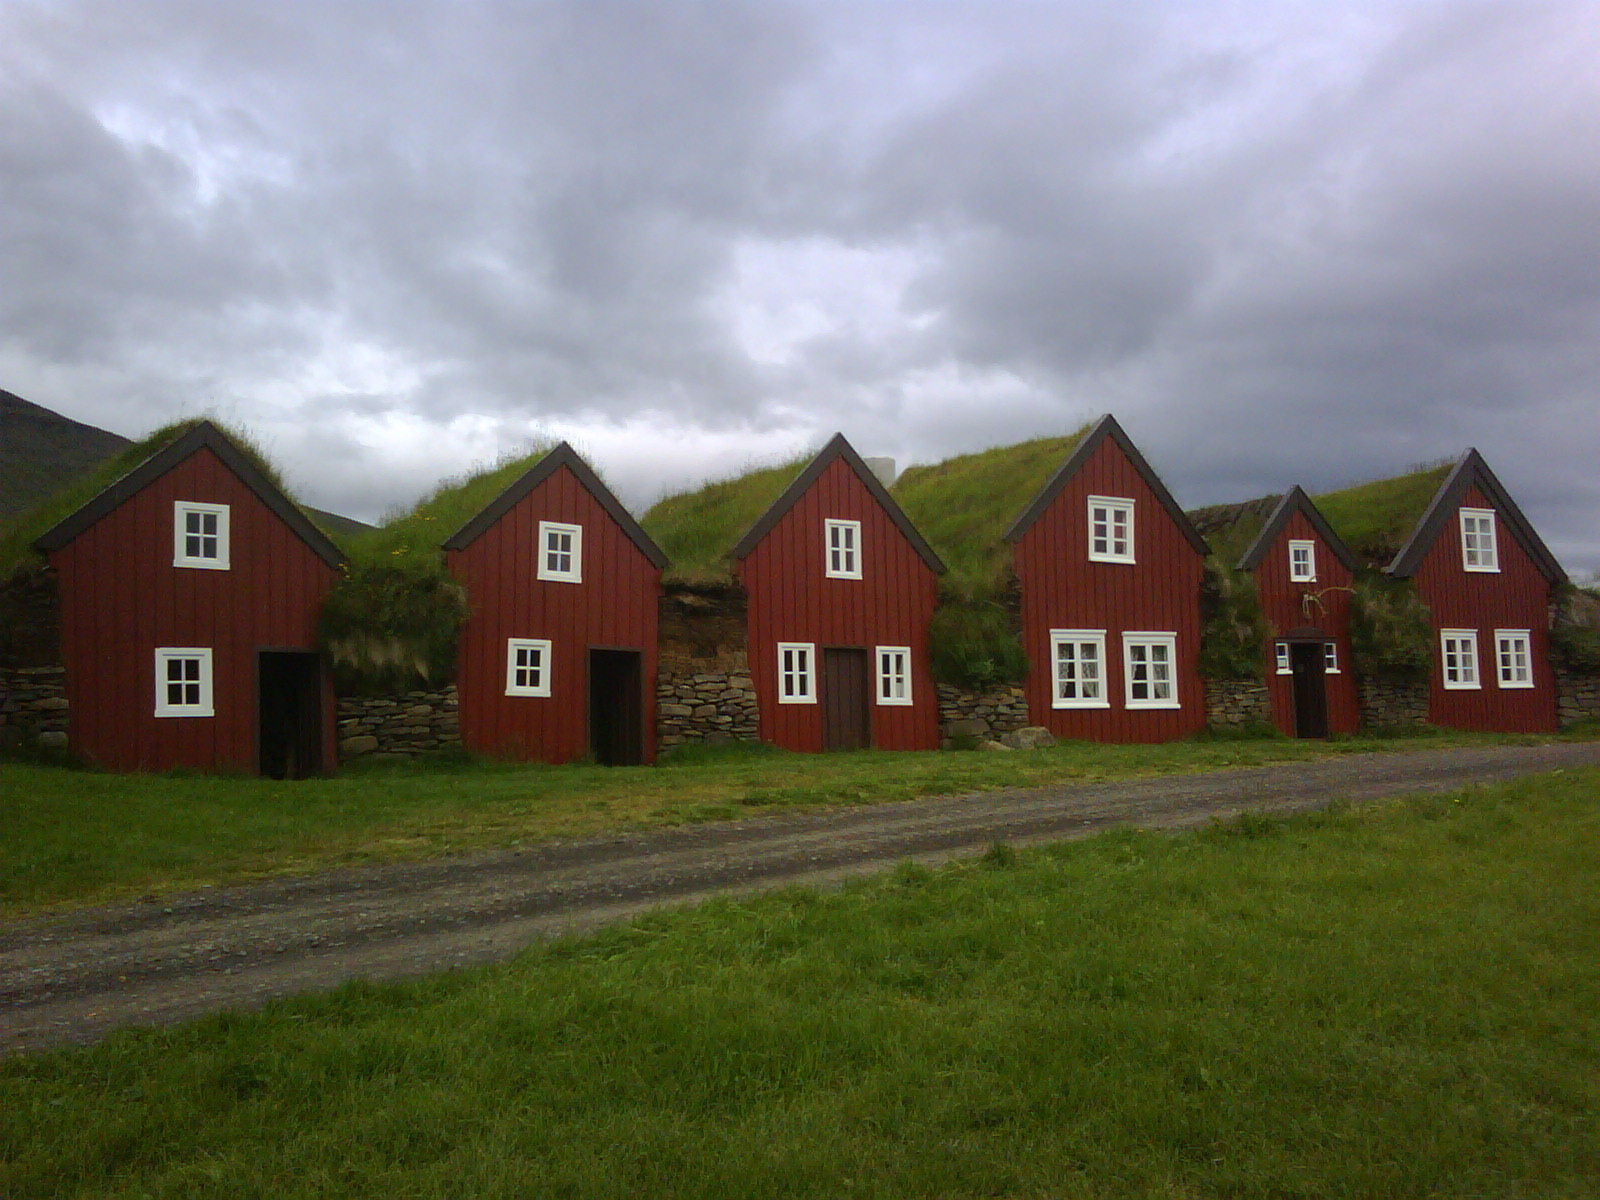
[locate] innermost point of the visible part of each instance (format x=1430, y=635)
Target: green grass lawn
x=1397, y=1000
x=74, y=837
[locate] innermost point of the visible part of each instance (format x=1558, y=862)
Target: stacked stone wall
x=704, y=694
x=1235, y=703
x=1577, y=697
x=981, y=716
x=407, y=724
x=710, y=707
x=33, y=705
x=1387, y=702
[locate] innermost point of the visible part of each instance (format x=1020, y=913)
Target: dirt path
x=74, y=978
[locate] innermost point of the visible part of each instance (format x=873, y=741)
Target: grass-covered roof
x=965, y=504
x=1376, y=518
x=697, y=529
x=1230, y=529
x=16, y=544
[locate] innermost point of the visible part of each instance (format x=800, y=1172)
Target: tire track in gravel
x=73, y=978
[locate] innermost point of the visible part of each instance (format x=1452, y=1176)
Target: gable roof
x=202, y=435
x=837, y=448
x=1469, y=471
x=1294, y=501
x=1106, y=427
x=562, y=456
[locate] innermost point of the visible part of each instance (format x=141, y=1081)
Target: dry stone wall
x=980, y=716
x=1235, y=703
x=1387, y=702
x=403, y=725
x=1577, y=698
x=33, y=705
x=704, y=694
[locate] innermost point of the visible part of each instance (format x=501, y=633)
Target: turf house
x=557, y=655
x=190, y=592
x=838, y=588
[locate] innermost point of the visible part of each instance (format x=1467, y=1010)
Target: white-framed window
x=527, y=666
x=797, y=673
x=560, y=552
x=200, y=535
x=1330, y=658
x=1459, y=648
x=1150, y=669
x=183, y=681
x=894, y=674
x=1302, y=561
x=1280, y=654
x=843, y=554
x=1478, y=549
x=1110, y=529
x=1079, y=656
x=1513, y=654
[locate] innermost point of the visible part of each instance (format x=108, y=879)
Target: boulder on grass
x=1030, y=737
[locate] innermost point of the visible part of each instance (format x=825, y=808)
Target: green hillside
x=697, y=529
x=1375, y=519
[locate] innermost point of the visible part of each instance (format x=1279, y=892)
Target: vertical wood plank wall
x=615, y=607
x=122, y=598
x=1515, y=597
x=1284, y=609
x=1159, y=592
x=791, y=600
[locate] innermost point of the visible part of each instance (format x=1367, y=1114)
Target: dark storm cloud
x=1284, y=243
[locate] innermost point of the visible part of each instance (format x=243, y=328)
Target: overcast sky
x=1312, y=243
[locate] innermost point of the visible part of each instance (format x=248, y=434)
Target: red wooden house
x=1487, y=577
x=1304, y=577
x=190, y=595
x=1110, y=570
x=841, y=588
x=557, y=658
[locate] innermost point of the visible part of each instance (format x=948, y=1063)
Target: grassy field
x=1392, y=1001
x=75, y=837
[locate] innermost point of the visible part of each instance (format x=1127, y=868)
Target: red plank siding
x=122, y=598
x=1158, y=593
x=792, y=600
x=1285, y=606
x=614, y=607
x=1515, y=597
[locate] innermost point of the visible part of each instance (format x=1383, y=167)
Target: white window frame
x=841, y=549
x=181, y=510
x=574, y=571
x=1480, y=544
x=1281, y=658
x=542, y=647
x=1168, y=642
x=1079, y=638
x=801, y=669
x=893, y=684
x=1521, y=643
x=1330, y=658
x=1458, y=656
x=1110, y=506
x=1305, y=572
x=203, y=705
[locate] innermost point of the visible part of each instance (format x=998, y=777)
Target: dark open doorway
x=846, y=710
x=290, y=708
x=1308, y=661
x=616, y=708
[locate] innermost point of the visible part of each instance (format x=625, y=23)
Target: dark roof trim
x=837, y=447
x=1106, y=427
x=207, y=436
x=1295, y=500
x=562, y=456
x=1472, y=469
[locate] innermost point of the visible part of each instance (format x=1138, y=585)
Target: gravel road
x=73, y=978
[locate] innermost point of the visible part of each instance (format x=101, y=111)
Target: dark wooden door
x=289, y=712
x=616, y=708
x=846, y=700
x=1309, y=662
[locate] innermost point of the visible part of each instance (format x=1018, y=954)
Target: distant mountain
x=41, y=451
